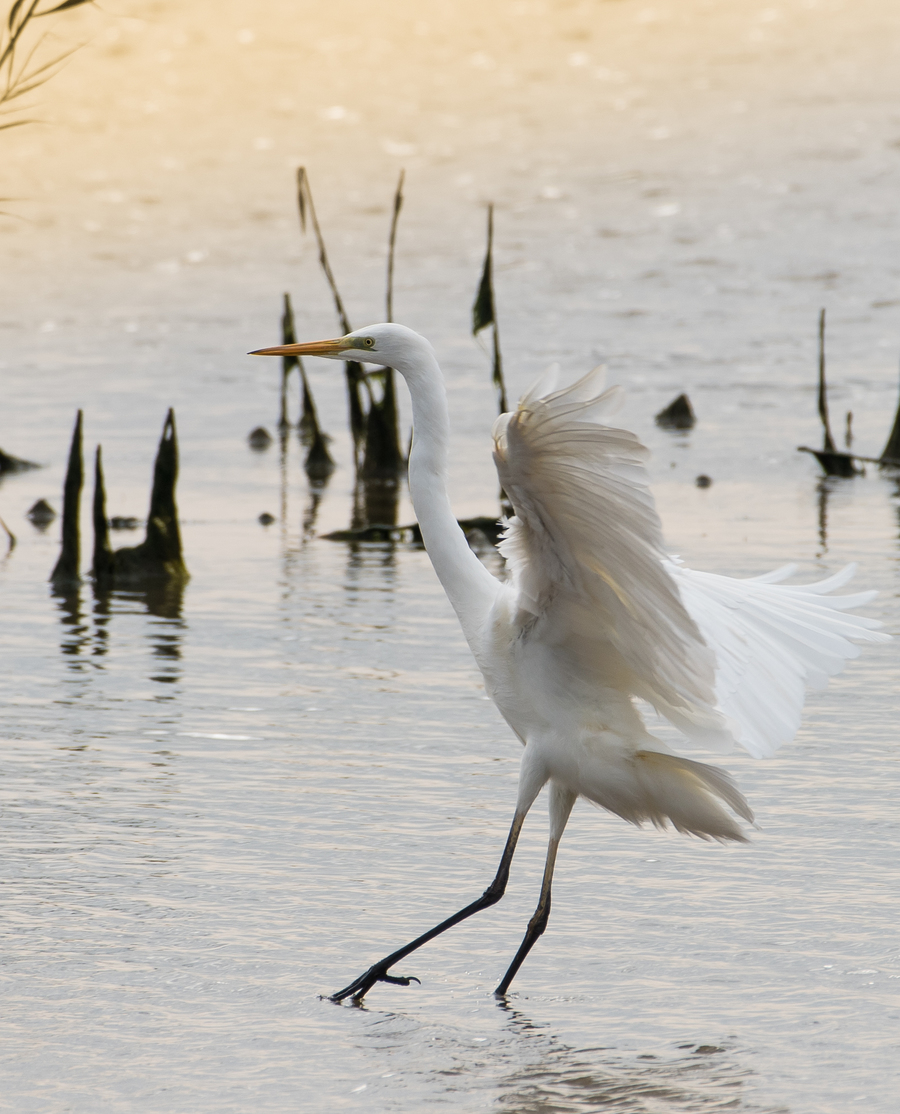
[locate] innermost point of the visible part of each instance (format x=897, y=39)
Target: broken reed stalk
x=833, y=461
x=392, y=240
x=891, y=452
x=484, y=313
x=288, y=336
x=288, y=363
x=394, y=456
x=304, y=201
x=383, y=458
x=65, y=572
x=353, y=371
x=159, y=557
x=104, y=559
x=841, y=464
x=828, y=444
x=318, y=464
x=377, y=453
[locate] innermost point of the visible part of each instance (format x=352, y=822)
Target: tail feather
x=666, y=789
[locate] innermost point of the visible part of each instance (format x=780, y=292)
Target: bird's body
x=595, y=616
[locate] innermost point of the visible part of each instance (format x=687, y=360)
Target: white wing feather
x=722, y=659
x=772, y=641
x=587, y=559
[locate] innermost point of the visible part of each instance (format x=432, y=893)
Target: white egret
x=596, y=615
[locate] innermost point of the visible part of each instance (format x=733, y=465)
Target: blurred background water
x=219, y=805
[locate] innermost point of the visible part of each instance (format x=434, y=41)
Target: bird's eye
x=369, y=342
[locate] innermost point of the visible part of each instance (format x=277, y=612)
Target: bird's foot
x=358, y=989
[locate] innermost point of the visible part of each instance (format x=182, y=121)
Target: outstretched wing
x=772, y=641
x=586, y=555
x=722, y=659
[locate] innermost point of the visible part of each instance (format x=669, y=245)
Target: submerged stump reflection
x=75, y=636
x=375, y=504
x=85, y=631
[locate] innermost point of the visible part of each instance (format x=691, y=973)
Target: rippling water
x=220, y=804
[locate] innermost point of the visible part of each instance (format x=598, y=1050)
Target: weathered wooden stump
x=679, y=414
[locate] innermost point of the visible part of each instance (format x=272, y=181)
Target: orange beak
x=328, y=348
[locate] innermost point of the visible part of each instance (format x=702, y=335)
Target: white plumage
x=595, y=615
x=771, y=642
x=725, y=660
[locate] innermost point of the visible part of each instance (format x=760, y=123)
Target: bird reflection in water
x=692, y=1077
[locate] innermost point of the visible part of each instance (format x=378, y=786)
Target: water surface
x=221, y=804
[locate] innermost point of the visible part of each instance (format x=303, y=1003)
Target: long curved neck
x=470, y=588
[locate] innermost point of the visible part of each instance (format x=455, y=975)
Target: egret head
x=388, y=344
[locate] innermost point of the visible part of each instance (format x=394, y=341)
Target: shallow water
x=219, y=805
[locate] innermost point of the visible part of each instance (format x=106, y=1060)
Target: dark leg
x=378, y=972
x=561, y=801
